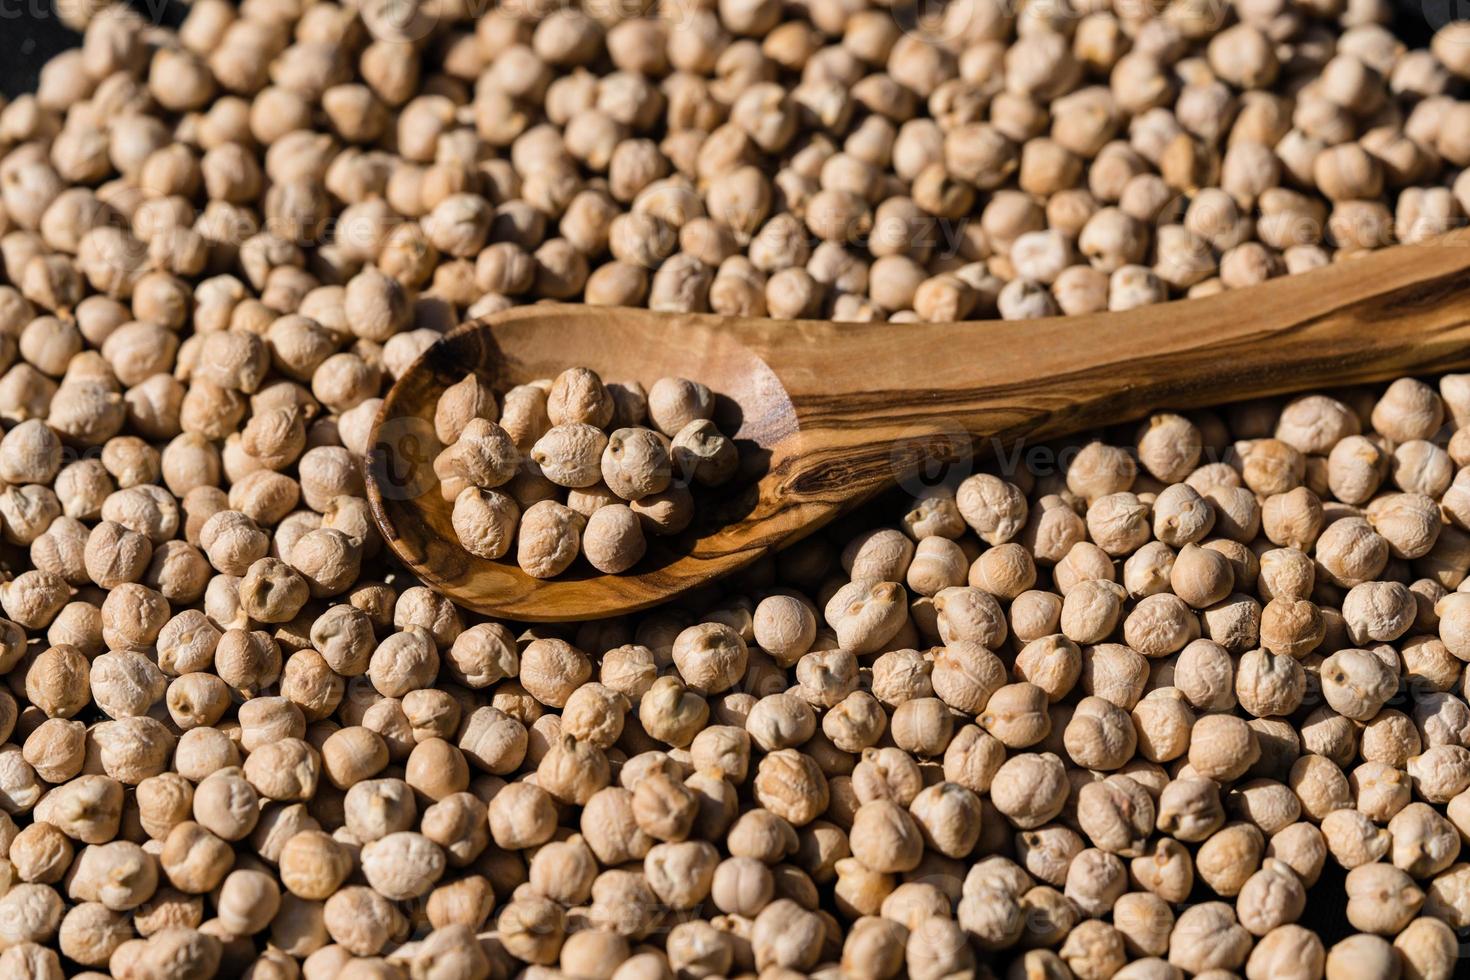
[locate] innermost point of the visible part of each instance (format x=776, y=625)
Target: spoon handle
x=873, y=401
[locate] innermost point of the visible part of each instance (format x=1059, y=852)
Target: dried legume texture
x=1005, y=160
x=1031, y=719
x=576, y=467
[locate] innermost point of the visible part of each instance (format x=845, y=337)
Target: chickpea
x=1423, y=947
x=1207, y=936
x=1222, y=747
x=1030, y=789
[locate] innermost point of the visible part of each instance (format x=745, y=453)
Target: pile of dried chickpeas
x=1113, y=719
x=567, y=467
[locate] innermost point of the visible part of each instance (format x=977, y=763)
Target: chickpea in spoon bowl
x=531, y=478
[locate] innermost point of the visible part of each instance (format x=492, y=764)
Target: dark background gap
x=31, y=34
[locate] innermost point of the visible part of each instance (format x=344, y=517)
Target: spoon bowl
x=528, y=343
x=826, y=415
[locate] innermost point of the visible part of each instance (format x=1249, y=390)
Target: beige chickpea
x=1159, y=625
x=995, y=509
x=353, y=754
x=1428, y=664
x=1390, y=737
x=1017, y=715
x=680, y=873
x=1302, y=847
x=1425, y=948
x=922, y=726
x=664, y=808
x=1292, y=519
x=968, y=614
x=1053, y=663
x=34, y=912
x=485, y=521
x=1381, y=898
x=1319, y=785
x=1147, y=570
x=1229, y=857
x=1165, y=870
x=1145, y=921
x=1100, y=735
x=1355, y=468
x=82, y=486
x=702, y=454
x=40, y=853
x=360, y=920
x=483, y=456
x=1285, y=573
x=1181, y=516
x=549, y=539
x=1207, y=936
x=1030, y=789
x=435, y=768
x=247, y=901
x=636, y=463
x=1419, y=466
x=57, y=681
x=375, y=808
x=1286, y=950
x=572, y=771
x=1222, y=747
x=1438, y=772
x=1409, y=522
x=1445, y=895
x=1095, y=880
x=1200, y=576
x=402, y=865
x=1091, y=611
x=1005, y=571
x=887, y=838
x=1114, y=672
x=30, y=453
x=1424, y=842
x=780, y=721
x=193, y=859
x=1356, y=683
x=887, y=773
x=569, y=454
x=1116, y=814
x=272, y=592
x=790, y=784
x=1268, y=684
x=125, y=683
x=785, y=627
x=56, y=749
x=1352, y=838
x=609, y=827
x=612, y=540
x=742, y=886
x=883, y=555
x=404, y=662
x=671, y=712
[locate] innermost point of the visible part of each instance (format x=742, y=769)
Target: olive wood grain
x=828, y=414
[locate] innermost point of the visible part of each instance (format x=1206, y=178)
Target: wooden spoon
x=828, y=414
